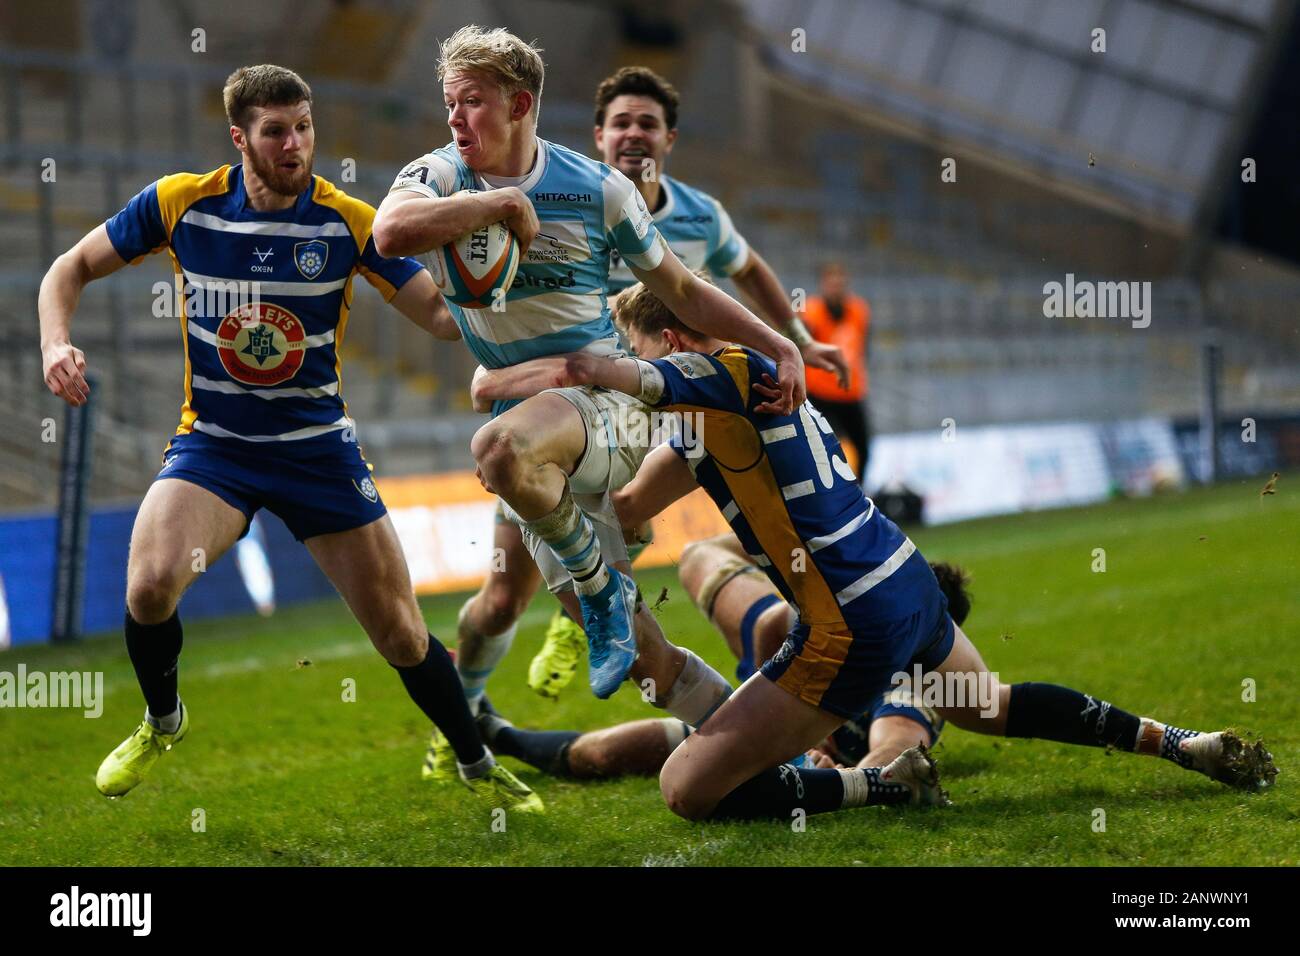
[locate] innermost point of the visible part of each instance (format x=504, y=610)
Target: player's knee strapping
x=570, y=534
x=698, y=691
x=717, y=578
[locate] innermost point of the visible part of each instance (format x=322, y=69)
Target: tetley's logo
x=261, y=344
x=310, y=257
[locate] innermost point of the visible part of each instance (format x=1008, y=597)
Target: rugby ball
x=476, y=270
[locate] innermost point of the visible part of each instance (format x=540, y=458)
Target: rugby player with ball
x=554, y=457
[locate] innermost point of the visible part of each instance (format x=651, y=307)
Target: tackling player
x=554, y=457
x=735, y=595
x=267, y=254
x=869, y=606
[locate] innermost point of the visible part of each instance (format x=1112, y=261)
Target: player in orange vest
x=841, y=318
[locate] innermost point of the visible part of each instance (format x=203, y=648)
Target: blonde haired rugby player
x=263, y=424
x=554, y=457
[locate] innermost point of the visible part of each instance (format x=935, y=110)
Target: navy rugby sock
x=547, y=750
x=777, y=793
x=1052, y=712
x=155, y=650
x=435, y=687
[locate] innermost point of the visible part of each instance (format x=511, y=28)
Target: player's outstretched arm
x=408, y=224
x=63, y=364
x=421, y=302
x=709, y=310
x=761, y=290
x=554, y=371
x=663, y=478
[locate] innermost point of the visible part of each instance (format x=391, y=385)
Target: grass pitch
x=1200, y=593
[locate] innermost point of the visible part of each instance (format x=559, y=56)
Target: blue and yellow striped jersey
x=264, y=298
x=783, y=485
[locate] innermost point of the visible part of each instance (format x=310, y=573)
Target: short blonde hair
x=510, y=62
x=636, y=307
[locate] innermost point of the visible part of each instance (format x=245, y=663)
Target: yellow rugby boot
x=501, y=788
x=130, y=763
x=440, y=760
x=557, y=661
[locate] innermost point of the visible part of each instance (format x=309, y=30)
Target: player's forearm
x=519, y=381
x=415, y=225
x=555, y=371
x=709, y=310
x=662, y=479
x=761, y=286
x=57, y=301
x=420, y=301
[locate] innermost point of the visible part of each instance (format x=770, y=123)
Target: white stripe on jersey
x=309, y=432
x=869, y=580
x=798, y=490
x=826, y=540
x=542, y=314
x=290, y=229
x=230, y=388
x=212, y=285
x=210, y=338
x=727, y=232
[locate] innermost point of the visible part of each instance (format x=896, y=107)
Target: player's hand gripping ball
x=476, y=270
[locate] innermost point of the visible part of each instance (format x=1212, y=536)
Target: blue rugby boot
x=607, y=617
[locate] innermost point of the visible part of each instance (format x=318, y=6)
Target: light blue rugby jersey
x=558, y=302
x=697, y=228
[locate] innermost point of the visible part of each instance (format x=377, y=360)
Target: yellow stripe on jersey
x=179, y=191
x=736, y=362
x=360, y=219
x=176, y=193
x=758, y=496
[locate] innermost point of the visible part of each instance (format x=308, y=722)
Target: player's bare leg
x=367, y=567
x=485, y=629
x=179, y=530
x=1052, y=712
x=890, y=736
x=734, y=765
x=526, y=456
x=636, y=748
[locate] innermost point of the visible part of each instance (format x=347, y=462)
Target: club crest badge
x=367, y=488
x=310, y=257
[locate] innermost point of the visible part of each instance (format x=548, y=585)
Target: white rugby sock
x=168, y=723
x=571, y=535
x=477, y=656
